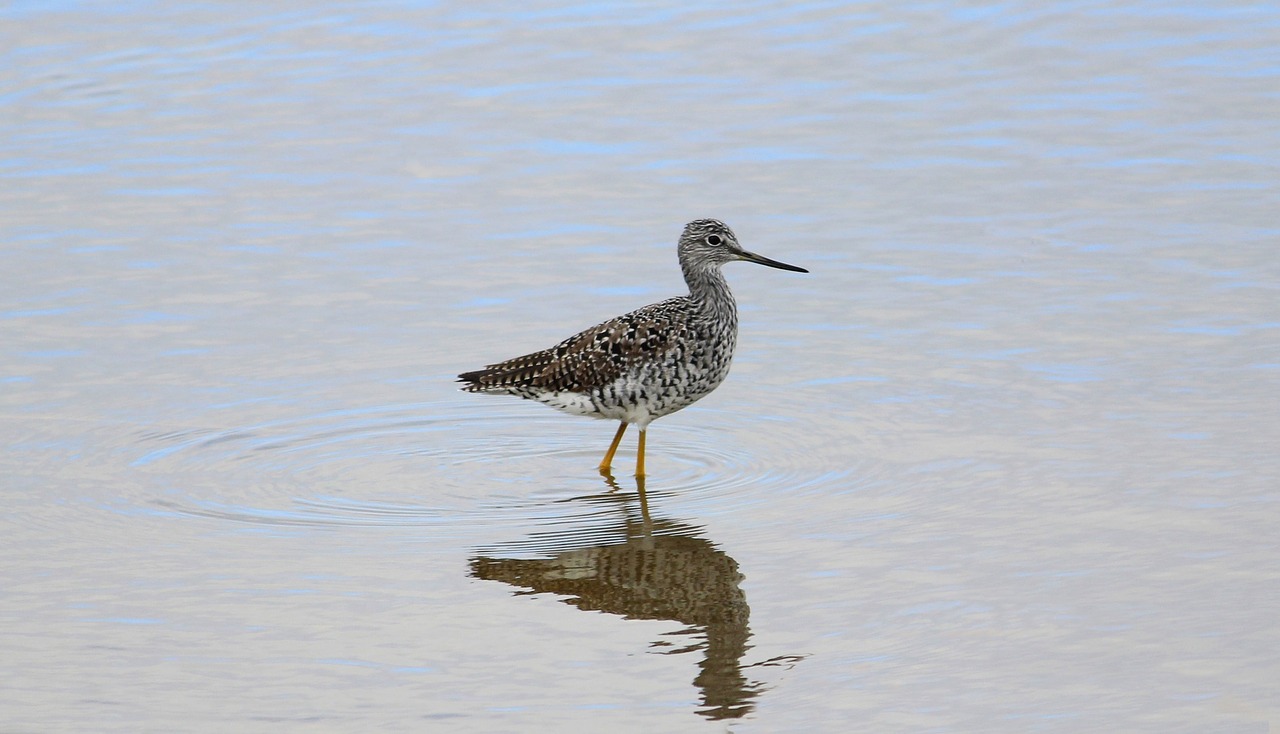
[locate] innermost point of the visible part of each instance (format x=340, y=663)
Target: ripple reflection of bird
x=641, y=568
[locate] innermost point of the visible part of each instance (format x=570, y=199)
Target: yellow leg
x=607, y=463
x=640, y=456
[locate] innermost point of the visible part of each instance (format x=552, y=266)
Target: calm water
x=1004, y=462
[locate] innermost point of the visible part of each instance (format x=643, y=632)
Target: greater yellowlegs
x=646, y=364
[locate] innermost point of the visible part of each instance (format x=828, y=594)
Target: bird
x=645, y=364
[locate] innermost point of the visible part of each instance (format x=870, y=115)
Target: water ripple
x=448, y=465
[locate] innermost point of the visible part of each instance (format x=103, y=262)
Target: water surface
x=1004, y=461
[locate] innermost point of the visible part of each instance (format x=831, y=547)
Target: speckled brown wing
x=513, y=373
x=591, y=358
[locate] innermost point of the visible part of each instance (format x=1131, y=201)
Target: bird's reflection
x=641, y=568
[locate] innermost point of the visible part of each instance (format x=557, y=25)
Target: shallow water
x=1004, y=461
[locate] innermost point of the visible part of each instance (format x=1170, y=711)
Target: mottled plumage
x=645, y=364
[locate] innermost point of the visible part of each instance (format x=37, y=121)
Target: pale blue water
x=1004, y=461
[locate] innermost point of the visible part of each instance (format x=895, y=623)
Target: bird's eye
x=714, y=240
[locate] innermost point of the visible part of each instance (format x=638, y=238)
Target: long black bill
x=752, y=257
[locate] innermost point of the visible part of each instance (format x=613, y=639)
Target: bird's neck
x=709, y=292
